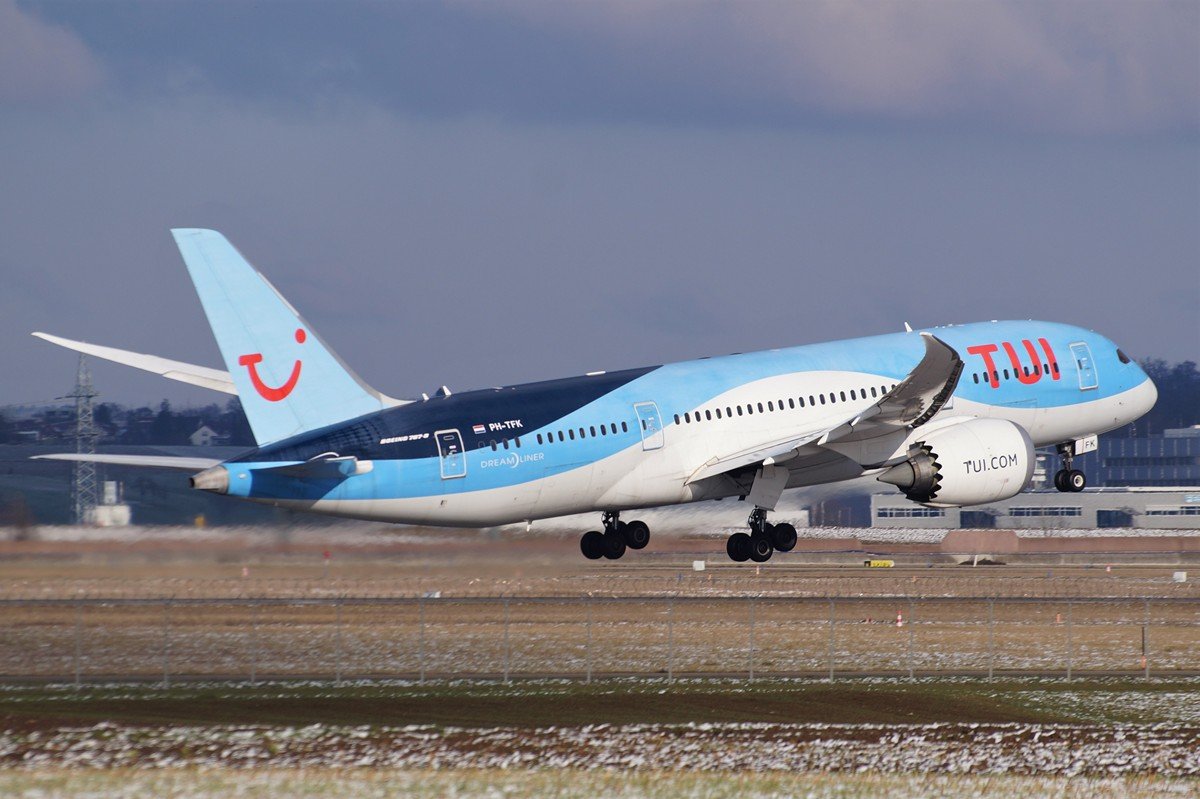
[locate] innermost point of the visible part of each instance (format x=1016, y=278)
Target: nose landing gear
x=763, y=540
x=1067, y=479
x=616, y=538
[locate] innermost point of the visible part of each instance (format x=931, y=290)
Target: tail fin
x=288, y=379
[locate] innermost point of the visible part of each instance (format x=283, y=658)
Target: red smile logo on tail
x=272, y=393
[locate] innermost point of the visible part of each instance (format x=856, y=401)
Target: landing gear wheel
x=738, y=547
x=1075, y=481
x=592, y=545
x=1060, y=480
x=637, y=534
x=760, y=548
x=614, y=545
x=783, y=537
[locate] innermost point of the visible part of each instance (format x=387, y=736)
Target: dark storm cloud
x=41, y=62
x=475, y=194
x=1048, y=67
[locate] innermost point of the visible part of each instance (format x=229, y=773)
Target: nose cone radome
x=1142, y=399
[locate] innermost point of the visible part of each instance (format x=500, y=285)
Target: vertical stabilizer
x=289, y=381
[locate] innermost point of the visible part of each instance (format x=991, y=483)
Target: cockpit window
x=1122, y=356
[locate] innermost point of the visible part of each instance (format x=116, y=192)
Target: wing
x=149, y=461
x=913, y=402
x=202, y=376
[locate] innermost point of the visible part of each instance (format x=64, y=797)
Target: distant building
x=205, y=436
x=1144, y=508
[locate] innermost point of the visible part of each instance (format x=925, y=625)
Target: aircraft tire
x=636, y=533
x=760, y=548
x=1075, y=481
x=592, y=545
x=738, y=547
x=614, y=545
x=1060, y=480
x=783, y=537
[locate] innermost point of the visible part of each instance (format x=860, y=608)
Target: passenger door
x=649, y=424
x=1085, y=365
x=450, y=453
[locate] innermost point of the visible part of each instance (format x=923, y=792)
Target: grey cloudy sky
x=475, y=193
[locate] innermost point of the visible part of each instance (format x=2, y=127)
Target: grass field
x=629, y=738
x=369, y=783
x=123, y=733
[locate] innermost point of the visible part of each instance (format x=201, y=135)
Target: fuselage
x=632, y=439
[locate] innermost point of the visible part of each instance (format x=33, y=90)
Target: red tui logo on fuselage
x=1027, y=375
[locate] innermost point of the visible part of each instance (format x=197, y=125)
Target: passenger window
x=571, y=434
x=739, y=409
x=493, y=443
x=791, y=404
x=873, y=387
x=760, y=407
x=624, y=427
x=593, y=430
x=812, y=400
x=995, y=376
x=718, y=413
x=728, y=412
x=676, y=422
x=582, y=433
x=687, y=418
x=505, y=443
x=770, y=405
x=518, y=442
x=822, y=397
x=560, y=436
x=843, y=394
x=1054, y=366
x=750, y=409
x=1037, y=369
x=976, y=376
x=604, y=432
x=802, y=402
x=707, y=415
x=1005, y=374
x=539, y=438
x=852, y=396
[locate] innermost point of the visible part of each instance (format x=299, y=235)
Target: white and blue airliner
x=950, y=415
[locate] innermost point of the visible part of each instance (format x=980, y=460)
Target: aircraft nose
x=1142, y=398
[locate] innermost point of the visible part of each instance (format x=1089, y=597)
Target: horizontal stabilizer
x=148, y=461
x=202, y=376
x=320, y=468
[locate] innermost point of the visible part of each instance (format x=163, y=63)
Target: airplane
x=950, y=415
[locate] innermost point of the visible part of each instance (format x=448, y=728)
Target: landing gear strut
x=1067, y=479
x=616, y=538
x=762, y=541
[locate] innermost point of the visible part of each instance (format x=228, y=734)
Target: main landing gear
x=762, y=541
x=1067, y=479
x=616, y=538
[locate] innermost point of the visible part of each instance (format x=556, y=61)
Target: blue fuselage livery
x=950, y=415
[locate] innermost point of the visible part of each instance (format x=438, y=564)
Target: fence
x=747, y=637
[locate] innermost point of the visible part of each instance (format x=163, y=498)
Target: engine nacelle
x=969, y=463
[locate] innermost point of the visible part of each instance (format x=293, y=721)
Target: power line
x=84, y=495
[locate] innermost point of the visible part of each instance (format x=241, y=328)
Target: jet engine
x=968, y=463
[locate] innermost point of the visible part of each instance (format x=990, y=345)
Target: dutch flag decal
x=479, y=429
